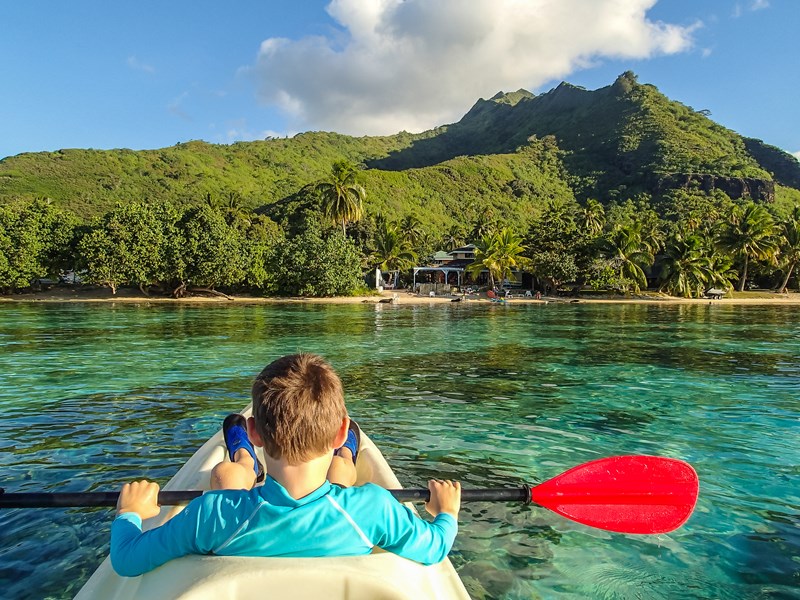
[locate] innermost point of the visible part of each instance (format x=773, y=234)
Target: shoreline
x=131, y=296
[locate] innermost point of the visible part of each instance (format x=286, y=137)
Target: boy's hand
x=445, y=497
x=140, y=497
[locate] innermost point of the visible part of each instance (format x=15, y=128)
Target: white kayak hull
x=376, y=576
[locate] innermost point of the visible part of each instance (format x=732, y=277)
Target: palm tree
x=393, y=251
x=235, y=214
x=721, y=272
x=454, y=237
x=748, y=235
x=652, y=235
x=628, y=253
x=411, y=228
x=212, y=202
x=499, y=253
x=687, y=270
x=790, y=245
x=484, y=225
x=341, y=195
x=592, y=217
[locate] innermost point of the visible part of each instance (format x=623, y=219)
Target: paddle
x=626, y=494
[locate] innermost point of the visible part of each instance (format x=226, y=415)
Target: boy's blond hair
x=298, y=406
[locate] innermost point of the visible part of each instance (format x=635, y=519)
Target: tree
x=485, y=225
x=603, y=275
x=455, y=237
x=749, y=234
x=212, y=251
x=36, y=241
x=789, y=245
x=315, y=263
x=411, y=229
x=687, y=270
x=128, y=245
x=342, y=197
x=555, y=268
x=235, y=214
x=562, y=246
x=640, y=215
x=592, y=218
x=393, y=252
x=102, y=258
x=694, y=211
x=499, y=253
x=555, y=229
x=262, y=238
x=628, y=253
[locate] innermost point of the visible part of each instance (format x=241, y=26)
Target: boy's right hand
x=140, y=497
x=445, y=497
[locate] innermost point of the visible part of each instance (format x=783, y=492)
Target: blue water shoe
x=353, y=442
x=234, y=430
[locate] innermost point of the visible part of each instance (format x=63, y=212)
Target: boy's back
x=267, y=521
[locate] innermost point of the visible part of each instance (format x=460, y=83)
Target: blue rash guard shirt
x=267, y=521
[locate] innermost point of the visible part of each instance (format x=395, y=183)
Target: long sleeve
x=134, y=552
x=410, y=536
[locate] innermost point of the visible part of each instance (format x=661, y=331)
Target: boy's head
x=298, y=407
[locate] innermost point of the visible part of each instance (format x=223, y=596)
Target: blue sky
x=147, y=74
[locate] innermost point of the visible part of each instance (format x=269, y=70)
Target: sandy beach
x=131, y=295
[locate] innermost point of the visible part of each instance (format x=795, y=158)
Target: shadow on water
x=618, y=420
x=773, y=553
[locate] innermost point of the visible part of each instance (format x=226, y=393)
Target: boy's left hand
x=140, y=497
x=445, y=497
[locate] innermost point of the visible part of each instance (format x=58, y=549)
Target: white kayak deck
x=377, y=576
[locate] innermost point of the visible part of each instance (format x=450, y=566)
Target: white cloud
x=796, y=154
x=137, y=65
x=753, y=5
x=413, y=64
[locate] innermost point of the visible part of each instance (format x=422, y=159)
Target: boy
x=299, y=418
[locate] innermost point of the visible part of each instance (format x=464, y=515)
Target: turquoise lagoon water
x=92, y=396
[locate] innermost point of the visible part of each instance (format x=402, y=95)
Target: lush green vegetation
x=619, y=140
x=500, y=253
x=36, y=240
x=216, y=247
x=618, y=188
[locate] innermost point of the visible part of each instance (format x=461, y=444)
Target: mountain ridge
x=611, y=143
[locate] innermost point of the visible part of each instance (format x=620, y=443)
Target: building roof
x=460, y=263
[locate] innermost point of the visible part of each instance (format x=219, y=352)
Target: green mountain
x=784, y=167
x=505, y=157
x=92, y=181
x=620, y=139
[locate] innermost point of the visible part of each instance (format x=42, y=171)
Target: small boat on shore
x=377, y=576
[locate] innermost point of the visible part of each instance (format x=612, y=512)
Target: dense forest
x=617, y=188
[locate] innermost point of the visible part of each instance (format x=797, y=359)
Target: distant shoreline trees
x=683, y=243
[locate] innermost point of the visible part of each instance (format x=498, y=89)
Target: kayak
x=380, y=575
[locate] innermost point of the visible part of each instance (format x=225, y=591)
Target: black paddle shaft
x=166, y=498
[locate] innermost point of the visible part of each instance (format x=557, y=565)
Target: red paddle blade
x=627, y=494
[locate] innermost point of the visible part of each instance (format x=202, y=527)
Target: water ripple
x=94, y=396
